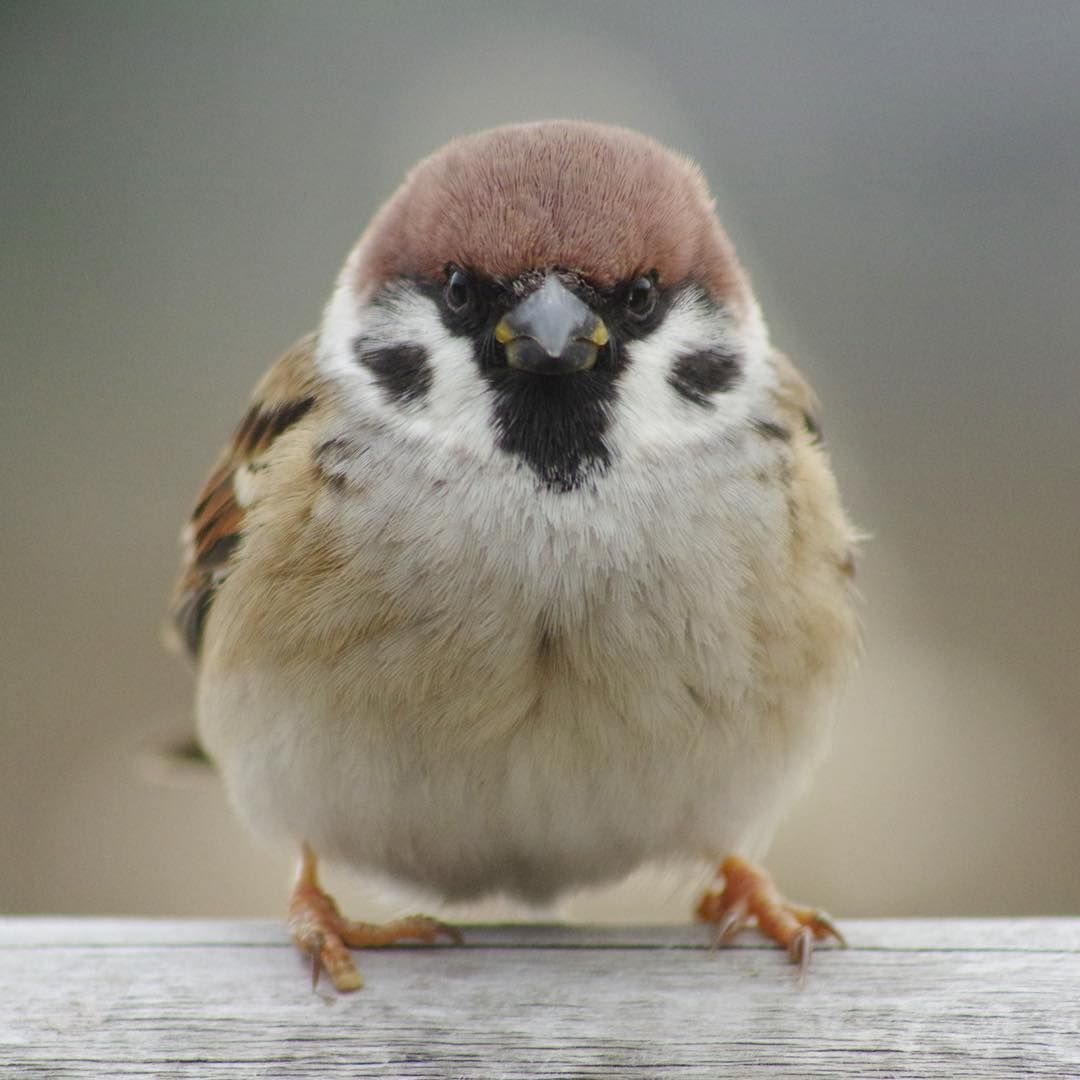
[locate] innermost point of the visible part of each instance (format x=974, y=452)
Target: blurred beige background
x=180, y=183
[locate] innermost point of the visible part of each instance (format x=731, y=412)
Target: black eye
x=641, y=299
x=458, y=290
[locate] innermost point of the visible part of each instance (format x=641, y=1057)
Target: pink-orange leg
x=749, y=894
x=320, y=930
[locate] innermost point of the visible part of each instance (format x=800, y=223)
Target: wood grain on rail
x=215, y=999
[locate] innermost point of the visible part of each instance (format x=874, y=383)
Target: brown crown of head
x=602, y=201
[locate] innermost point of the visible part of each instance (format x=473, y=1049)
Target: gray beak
x=551, y=332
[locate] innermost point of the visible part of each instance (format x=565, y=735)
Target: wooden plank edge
x=906, y=935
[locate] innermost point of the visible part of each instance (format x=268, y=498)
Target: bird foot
x=750, y=895
x=319, y=929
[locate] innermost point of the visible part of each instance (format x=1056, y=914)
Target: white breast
x=551, y=689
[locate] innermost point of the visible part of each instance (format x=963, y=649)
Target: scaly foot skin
x=750, y=895
x=319, y=929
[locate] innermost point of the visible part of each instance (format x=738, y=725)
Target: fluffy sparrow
x=528, y=567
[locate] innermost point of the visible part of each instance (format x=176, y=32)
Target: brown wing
x=797, y=405
x=286, y=393
x=794, y=397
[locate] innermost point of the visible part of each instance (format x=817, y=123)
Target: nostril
x=527, y=354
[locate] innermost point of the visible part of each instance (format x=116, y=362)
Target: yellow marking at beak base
x=599, y=336
x=503, y=333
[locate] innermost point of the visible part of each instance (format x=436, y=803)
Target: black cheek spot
x=402, y=371
x=697, y=376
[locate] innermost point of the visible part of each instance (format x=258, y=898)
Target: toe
x=361, y=935
x=749, y=893
x=339, y=965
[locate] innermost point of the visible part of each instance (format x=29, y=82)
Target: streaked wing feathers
x=794, y=397
x=287, y=393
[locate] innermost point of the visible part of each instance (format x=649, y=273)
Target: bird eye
x=641, y=299
x=458, y=290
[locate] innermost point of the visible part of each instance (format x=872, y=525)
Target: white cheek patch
x=340, y=326
x=454, y=413
x=652, y=417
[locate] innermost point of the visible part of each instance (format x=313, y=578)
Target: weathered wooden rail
x=909, y=998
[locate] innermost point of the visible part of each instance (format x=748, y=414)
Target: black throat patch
x=555, y=423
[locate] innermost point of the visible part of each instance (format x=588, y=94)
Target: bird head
x=558, y=295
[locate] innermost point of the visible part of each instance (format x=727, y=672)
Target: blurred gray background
x=180, y=183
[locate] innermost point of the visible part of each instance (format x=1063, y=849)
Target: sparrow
x=529, y=566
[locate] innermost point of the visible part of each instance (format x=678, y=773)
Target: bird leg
x=319, y=929
x=749, y=894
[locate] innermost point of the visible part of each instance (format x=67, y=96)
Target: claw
x=824, y=927
x=732, y=921
x=319, y=929
x=802, y=945
x=748, y=892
